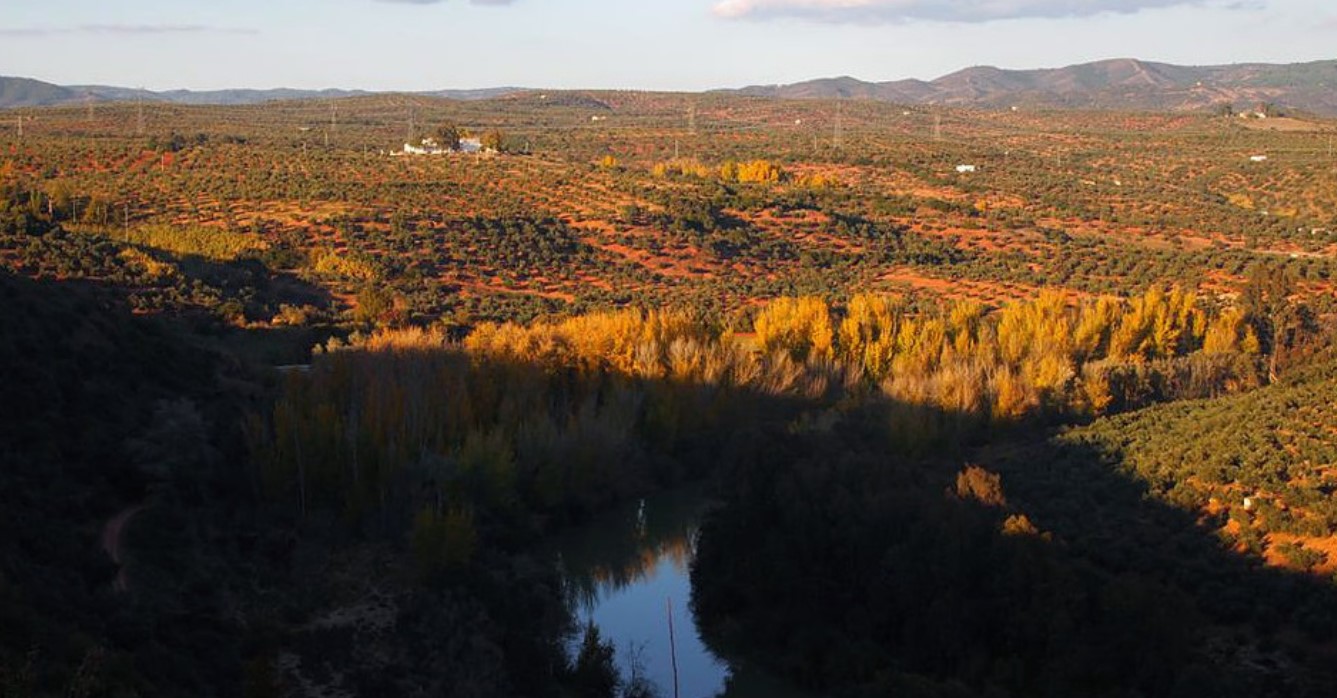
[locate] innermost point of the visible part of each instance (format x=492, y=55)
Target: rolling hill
x=25, y=92
x=1122, y=84
x=1125, y=83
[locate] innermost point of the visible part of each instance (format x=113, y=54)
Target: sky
x=625, y=44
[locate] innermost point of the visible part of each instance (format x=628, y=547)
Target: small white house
x=965, y=168
x=427, y=146
x=1257, y=158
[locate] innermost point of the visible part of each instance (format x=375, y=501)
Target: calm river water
x=625, y=569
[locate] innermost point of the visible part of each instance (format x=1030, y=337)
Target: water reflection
x=627, y=547
x=625, y=569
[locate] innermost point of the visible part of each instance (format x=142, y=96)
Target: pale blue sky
x=649, y=44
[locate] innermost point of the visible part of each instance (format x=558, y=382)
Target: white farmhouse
x=965, y=168
x=428, y=146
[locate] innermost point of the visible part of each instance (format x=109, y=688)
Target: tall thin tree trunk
x=673, y=647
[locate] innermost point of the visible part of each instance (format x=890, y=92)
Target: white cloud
x=933, y=10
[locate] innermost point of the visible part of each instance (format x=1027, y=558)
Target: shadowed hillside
x=1052, y=568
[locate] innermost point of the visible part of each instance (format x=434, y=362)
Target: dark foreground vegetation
x=376, y=531
x=1051, y=568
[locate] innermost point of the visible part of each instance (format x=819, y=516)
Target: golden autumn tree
x=799, y=327
x=1091, y=332
x=868, y=332
x=1158, y=324
x=1230, y=331
x=758, y=171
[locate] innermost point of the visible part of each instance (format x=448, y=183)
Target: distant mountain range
x=1124, y=83
x=25, y=92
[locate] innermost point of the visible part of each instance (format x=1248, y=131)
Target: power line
x=836, y=129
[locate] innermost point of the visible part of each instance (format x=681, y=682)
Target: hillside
x=1083, y=560
x=1123, y=204
x=1125, y=84
x=24, y=92
x=1261, y=465
x=237, y=97
x=103, y=412
x=213, y=97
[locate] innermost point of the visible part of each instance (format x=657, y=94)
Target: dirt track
x=113, y=534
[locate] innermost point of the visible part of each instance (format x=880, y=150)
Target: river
x=625, y=570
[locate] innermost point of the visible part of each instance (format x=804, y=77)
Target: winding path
x=113, y=534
